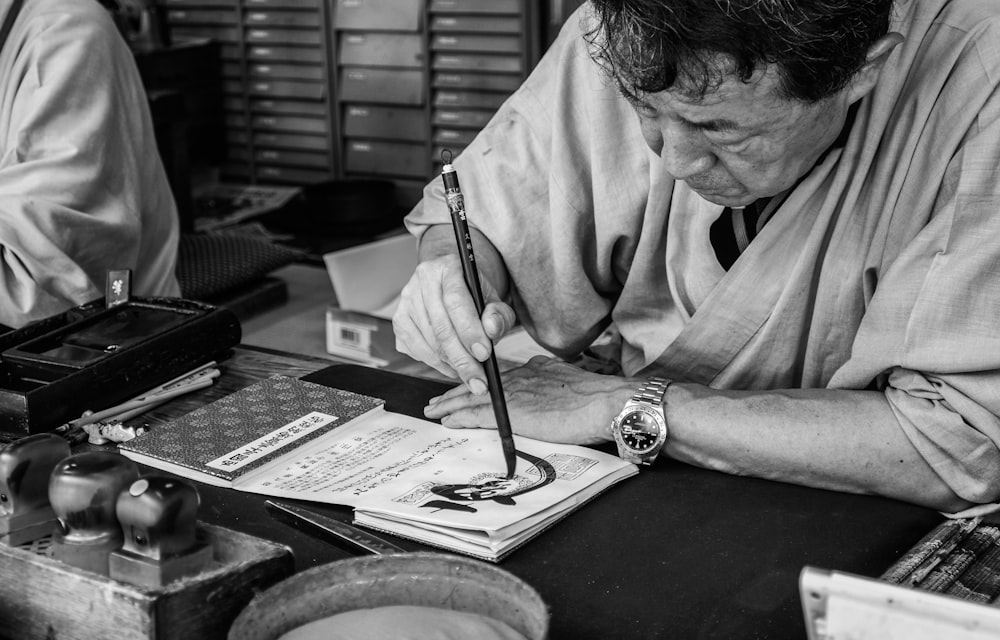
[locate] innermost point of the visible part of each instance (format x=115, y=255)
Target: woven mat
x=210, y=265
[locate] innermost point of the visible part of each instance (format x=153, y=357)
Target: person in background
x=778, y=222
x=82, y=187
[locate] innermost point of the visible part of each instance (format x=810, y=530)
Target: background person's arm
x=82, y=189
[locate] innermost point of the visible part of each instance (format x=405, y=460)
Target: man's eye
x=733, y=145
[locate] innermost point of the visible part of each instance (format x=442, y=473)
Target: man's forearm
x=439, y=240
x=833, y=439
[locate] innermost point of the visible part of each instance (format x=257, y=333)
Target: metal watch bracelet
x=652, y=391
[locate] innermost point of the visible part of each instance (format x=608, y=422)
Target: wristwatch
x=641, y=428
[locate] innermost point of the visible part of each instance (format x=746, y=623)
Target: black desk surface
x=675, y=552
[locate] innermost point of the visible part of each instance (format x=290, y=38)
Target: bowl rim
x=306, y=596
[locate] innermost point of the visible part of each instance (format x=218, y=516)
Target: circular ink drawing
x=492, y=486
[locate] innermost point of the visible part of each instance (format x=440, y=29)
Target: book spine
x=981, y=581
x=965, y=554
x=940, y=538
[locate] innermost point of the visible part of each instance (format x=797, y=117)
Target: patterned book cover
x=247, y=429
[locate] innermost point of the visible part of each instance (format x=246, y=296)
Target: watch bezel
x=657, y=417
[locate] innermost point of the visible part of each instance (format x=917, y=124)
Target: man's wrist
x=640, y=429
x=616, y=399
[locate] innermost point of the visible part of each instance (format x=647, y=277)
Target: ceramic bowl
x=424, y=579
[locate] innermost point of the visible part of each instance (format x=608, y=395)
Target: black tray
x=91, y=357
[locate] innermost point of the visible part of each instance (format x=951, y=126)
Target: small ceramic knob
x=25, y=467
x=158, y=516
x=83, y=491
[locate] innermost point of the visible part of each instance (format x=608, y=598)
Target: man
x=852, y=344
x=82, y=189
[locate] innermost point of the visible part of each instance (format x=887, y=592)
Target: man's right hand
x=436, y=321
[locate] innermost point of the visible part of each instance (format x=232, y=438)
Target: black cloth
x=211, y=265
x=723, y=234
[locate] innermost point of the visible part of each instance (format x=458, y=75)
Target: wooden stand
x=43, y=598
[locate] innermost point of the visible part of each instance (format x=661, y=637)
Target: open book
x=289, y=438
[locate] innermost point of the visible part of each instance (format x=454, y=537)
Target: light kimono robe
x=82, y=188
x=880, y=270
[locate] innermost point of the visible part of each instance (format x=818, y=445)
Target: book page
x=420, y=471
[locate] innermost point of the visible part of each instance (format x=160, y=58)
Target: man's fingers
x=437, y=322
x=410, y=341
x=463, y=410
x=498, y=319
x=453, y=327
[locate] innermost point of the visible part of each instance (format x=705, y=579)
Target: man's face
x=740, y=141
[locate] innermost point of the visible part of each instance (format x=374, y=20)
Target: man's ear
x=867, y=77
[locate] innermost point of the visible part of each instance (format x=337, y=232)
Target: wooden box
x=46, y=599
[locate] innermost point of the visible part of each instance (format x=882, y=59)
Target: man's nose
x=685, y=156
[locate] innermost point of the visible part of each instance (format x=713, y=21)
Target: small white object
x=841, y=606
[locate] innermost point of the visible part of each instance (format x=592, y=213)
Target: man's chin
x=726, y=199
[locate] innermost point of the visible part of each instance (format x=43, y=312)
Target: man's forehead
x=748, y=105
x=764, y=84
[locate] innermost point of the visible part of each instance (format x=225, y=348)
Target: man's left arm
x=834, y=439
x=844, y=440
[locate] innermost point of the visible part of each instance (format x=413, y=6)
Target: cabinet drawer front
x=382, y=50
x=286, y=72
x=234, y=88
x=476, y=6
x=231, y=70
x=475, y=99
x=475, y=43
x=235, y=171
x=282, y=4
x=200, y=4
x=382, y=86
x=290, y=123
x=474, y=62
x=284, y=36
x=238, y=152
x=234, y=120
x=386, y=158
x=292, y=175
x=475, y=24
x=230, y=52
x=221, y=34
x=269, y=19
x=285, y=54
x=507, y=83
x=201, y=16
x=285, y=157
x=456, y=137
x=289, y=107
x=288, y=88
x=292, y=141
x=237, y=137
x=388, y=15
x=394, y=123
x=469, y=118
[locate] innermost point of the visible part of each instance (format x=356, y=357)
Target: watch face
x=639, y=430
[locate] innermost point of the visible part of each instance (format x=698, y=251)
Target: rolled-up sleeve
x=952, y=421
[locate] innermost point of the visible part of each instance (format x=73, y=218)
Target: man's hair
x=649, y=46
